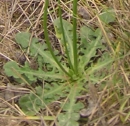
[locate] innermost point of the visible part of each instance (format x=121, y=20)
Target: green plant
x=65, y=75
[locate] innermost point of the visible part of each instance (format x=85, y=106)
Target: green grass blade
x=47, y=38
x=75, y=36
x=64, y=39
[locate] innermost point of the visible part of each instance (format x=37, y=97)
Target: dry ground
x=26, y=15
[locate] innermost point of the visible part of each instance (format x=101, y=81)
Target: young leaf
x=54, y=91
x=90, y=49
x=71, y=109
x=31, y=104
x=86, y=34
x=107, y=16
x=10, y=68
x=32, y=50
x=40, y=74
x=46, y=55
x=68, y=35
x=103, y=62
x=23, y=39
x=34, y=102
x=66, y=120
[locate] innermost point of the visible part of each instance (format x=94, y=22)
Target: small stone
x=83, y=13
